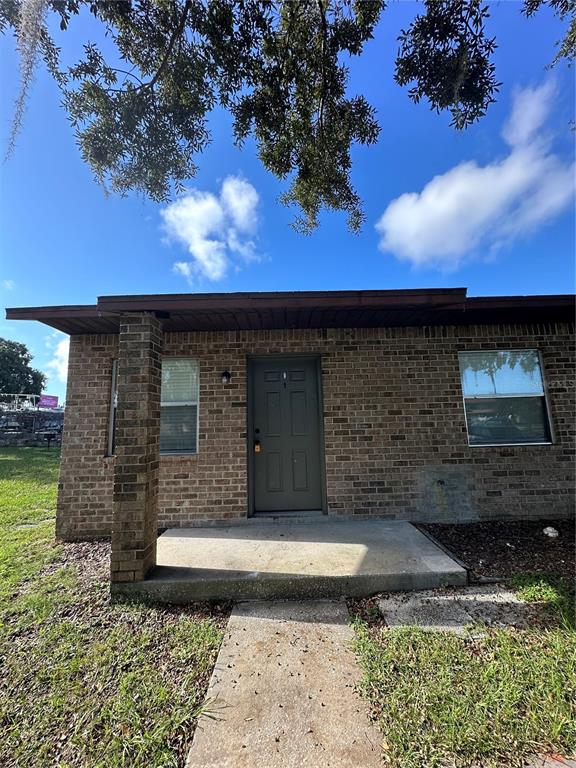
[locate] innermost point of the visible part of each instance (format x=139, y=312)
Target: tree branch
x=175, y=35
x=322, y=53
x=129, y=74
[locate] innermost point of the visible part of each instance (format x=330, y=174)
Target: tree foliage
x=16, y=374
x=280, y=67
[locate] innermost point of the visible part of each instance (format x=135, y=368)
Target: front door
x=284, y=436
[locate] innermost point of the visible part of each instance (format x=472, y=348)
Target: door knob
x=257, y=446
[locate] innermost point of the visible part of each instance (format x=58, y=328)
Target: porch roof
x=305, y=309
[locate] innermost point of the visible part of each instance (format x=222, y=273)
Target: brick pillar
x=134, y=527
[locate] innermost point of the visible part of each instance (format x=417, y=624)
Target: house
x=418, y=405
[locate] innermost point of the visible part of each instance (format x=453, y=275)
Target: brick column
x=134, y=527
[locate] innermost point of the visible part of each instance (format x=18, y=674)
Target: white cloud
x=8, y=285
x=530, y=109
x=57, y=367
x=183, y=267
x=473, y=207
x=214, y=229
x=53, y=338
x=240, y=200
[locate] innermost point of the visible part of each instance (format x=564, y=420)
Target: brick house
x=420, y=405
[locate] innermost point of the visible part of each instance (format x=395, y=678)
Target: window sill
x=111, y=457
x=506, y=445
x=178, y=453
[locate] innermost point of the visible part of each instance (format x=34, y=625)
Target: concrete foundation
x=292, y=561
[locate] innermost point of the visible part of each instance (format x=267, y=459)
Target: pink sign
x=48, y=401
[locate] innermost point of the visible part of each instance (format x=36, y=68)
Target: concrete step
x=279, y=518
x=267, y=562
x=182, y=586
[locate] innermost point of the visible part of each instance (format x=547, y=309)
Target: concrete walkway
x=456, y=610
x=283, y=692
x=275, y=561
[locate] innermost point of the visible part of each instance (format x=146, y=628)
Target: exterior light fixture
x=226, y=376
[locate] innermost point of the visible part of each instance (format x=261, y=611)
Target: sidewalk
x=283, y=693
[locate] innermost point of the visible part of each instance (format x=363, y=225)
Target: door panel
x=286, y=424
x=273, y=423
x=298, y=413
x=300, y=470
x=273, y=472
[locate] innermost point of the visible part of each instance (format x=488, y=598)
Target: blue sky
x=491, y=208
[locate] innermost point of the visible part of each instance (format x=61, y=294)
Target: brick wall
x=86, y=473
x=395, y=436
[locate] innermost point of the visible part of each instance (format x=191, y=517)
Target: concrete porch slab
x=294, y=561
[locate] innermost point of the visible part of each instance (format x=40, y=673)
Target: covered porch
x=293, y=560
x=252, y=559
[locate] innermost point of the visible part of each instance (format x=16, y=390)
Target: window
x=113, y=404
x=179, y=412
x=179, y=407
x=504, y=397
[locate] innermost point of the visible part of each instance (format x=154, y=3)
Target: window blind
x=179, y=406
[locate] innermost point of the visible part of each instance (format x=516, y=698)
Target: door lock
x=257, y=446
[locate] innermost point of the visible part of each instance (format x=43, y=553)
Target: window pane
x=113, y=406
x=489, y=374
x=178, y=428
x=179, y=381
x=507, y=420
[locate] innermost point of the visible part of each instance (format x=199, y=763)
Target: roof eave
x=320, y=309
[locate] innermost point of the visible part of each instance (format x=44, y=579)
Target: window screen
x=504, y=397
x=179, y=401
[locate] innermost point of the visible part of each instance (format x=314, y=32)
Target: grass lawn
x=28, y=480
x=490, y=698
x=85, y=683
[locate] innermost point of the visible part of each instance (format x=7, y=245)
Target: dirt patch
x=500, y=548
x=91, y=561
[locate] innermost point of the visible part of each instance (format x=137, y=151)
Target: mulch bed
x=92, y=560
x=500, y=548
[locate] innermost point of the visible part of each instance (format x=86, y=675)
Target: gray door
x=285, y=439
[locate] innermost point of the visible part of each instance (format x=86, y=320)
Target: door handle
x=257, y=446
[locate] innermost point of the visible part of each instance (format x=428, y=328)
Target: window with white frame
x=504, y=397
x=179, y=406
